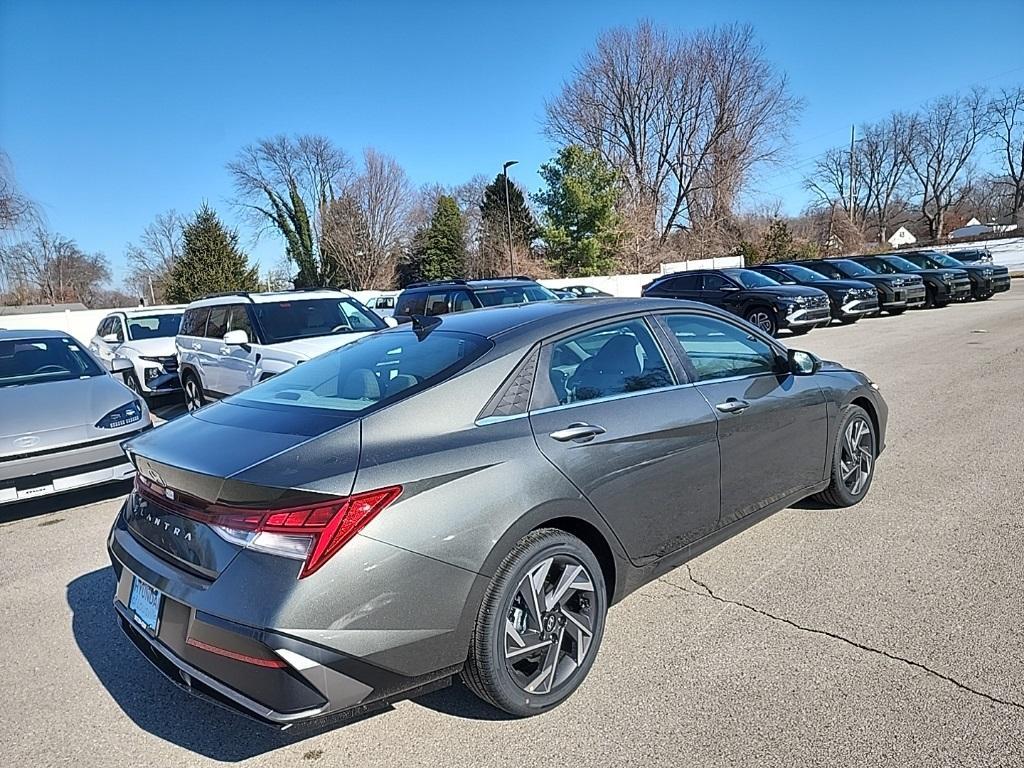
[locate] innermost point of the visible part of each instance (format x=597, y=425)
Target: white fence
x=81, y=324
x=630, y=285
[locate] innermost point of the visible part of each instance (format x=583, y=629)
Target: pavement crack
x=706, y=592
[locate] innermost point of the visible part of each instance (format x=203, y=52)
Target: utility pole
x=853, y=135
x=152, y=295
x=508, y=215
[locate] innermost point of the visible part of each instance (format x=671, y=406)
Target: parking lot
x=889, y=633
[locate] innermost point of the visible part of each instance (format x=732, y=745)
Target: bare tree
x=15, y=208
x=151, y=261
x=368, y=227
x=52, y=269
x=685, y=120
x=1007, y=128
x=285, y=184
x=880, y=171
x=938, y=146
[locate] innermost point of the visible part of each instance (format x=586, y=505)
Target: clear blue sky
x=115, y=111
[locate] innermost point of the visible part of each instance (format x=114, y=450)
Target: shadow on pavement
x=458, y=701
x=60, y=502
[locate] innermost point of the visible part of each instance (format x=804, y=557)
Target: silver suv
x=229, y=342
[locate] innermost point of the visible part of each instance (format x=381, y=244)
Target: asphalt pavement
x=891, y=633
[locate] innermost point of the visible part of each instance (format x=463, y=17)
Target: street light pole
x=508, y=215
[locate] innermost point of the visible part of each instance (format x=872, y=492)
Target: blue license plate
x=145, y=604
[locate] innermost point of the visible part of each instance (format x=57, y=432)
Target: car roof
x=497, y=282
x=150, y=311
x=539, y=319
x=18, y=334
x=268, y=297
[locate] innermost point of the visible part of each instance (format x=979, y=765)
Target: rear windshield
x=365, y=374
x=306, y=318
x=34, y=361
x=155, y=327
x=513, y=294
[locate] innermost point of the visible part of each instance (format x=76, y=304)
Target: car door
x=107, y=350
x=213, y=350
x=772, y=425
x=717, y=291
x=236, y=365
x=681, y=287
x=608, y=412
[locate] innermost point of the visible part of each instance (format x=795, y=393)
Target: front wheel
x=764, y=319
x=801, y=330
x=540, y=625
x=853, y=459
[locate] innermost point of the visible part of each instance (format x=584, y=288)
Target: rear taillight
x=312, y=533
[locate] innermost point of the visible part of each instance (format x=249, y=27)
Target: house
x=974, y=227
x=901, y=237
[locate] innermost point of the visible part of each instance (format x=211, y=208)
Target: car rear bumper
x=46, y=473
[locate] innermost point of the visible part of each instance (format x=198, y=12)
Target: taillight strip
x=270, y=663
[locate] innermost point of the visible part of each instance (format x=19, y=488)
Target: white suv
x=230, y=342
x=145, y=337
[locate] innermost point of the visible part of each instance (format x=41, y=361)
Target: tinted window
x=154, y=327
x=35, y=361
x=411, y=304
x=847, y=268
x=776, y=275
x=437, y=303
x=218, y=324
x=283, y=321
x=750, y=279
x=900, y=264
x=238, y=320
x=609, y=360
x=718, y=349
x=460, y=301
x=683, y=283
x=102, y=328
x=715, y=282
x=376, y=370
x=799, y=273
x=194, y=321
x=514, y=294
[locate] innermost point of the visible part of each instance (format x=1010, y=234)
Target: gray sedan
x=62, y=417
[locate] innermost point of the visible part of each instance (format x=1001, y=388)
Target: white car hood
x=316, y=345
x=162, y=347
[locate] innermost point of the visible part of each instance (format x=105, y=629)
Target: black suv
x=986, y=278
x=941, y=285
x=754, y=297
x=443, y=297
x=850, y=299
x=896, y=293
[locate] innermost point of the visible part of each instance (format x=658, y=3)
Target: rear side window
x=605, y=361
x=715, y=282
x=437, y=304
x=684, y=283
x=194, y=321
x=376, y=370
x=238, y=320
x=411, y=304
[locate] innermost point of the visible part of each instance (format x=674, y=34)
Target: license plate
x=145, y=604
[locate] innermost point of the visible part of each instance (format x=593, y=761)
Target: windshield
x=34, y=361
x=920, y=260
x=154, y=326
x=307, y=318
x=514, y=294
x=801, y=273
x=368, y=373
x=900, y=264
x=749, y=279
x=853, y=269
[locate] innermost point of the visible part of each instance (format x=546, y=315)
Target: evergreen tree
x=778, y=241
x=211, y=261
x=494, y=223
x=444, y=244
x=579, y=224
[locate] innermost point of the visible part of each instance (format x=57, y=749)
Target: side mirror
x=121, y=365
x=111, y=338
x=803, y=363
x=236, y=338
x=390, y=322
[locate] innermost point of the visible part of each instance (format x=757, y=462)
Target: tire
x=849, y=319
x=132, y=382
x=506, y=622
x=763, y=318
x=896, y=312
x=845, y=489
x=193, y=391
x=979, y=296
x=802, y=330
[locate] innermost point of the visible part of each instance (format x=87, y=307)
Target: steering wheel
x=50, y=369
x=343, y=327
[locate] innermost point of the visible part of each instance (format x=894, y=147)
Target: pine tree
x=444, y=251
x=211, y=261
x=778, y=242
x=494, y=223
x=579, y=224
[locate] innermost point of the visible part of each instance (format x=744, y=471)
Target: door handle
x=732, y=405
x=196, y=346
x=578, y=432
x=225, y=351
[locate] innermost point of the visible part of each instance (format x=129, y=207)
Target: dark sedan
x=467, y=495
x=850, y=300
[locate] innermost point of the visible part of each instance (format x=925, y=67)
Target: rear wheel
x=540, y=625
x=853, y=460
x=763, y=318
x=194, y=399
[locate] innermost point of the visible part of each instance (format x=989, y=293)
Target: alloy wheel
x=549, y=627
x=761, y=319
x=858, y=455
x=193, y=401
